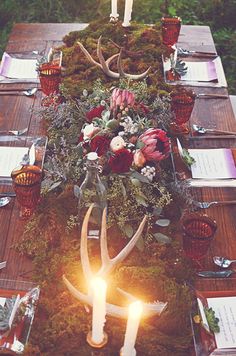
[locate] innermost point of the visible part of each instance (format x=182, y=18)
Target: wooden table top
x=15, y=113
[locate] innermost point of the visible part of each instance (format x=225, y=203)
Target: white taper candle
x=99, y=288
x=114, y=9
x=128, y=11
x=135, y=312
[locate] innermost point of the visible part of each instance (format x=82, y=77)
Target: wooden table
x=15, y=114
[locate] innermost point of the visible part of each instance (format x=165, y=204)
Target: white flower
x=88, y=131
x=85, y=92
x=129, y=125
x=117, y=143
x=148, y=172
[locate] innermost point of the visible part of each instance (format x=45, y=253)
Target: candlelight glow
x=135, y=312
x=99, y=288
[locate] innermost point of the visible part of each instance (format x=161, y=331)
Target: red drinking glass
x=198, y=232
x=170, y=30
x=27, y=185
x=182, y=104
x=50, y=78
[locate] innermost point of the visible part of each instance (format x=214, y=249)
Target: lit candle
x=99, y=288
x=135, y=312
x=114, y=9
x=128, y=11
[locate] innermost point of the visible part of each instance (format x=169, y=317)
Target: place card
x=216, y=163
x=18, y=68
x=225, y=311
x=11, y=157
x=200, y=72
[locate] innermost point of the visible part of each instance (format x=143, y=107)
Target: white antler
x=107, y=265
x=104, y=65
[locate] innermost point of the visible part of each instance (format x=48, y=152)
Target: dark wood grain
x=15, y=114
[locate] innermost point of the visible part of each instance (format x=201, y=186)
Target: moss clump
x=141, y=45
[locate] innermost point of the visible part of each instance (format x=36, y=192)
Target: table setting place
x=127, y=169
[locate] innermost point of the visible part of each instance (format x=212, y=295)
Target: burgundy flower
x=156, y=144
x=121, y=161
x=95, y=112
x=100, y=144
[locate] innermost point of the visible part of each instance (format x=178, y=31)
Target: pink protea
x=121, y=98
x=156, y=144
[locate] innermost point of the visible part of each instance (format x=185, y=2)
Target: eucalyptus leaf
x=162, y=239
x=157, y=211
x=140, y=244
x=76, y=191
x=141, y=200
x=123, y=190
x=163, y=222
x=128, y=230
x=140, y=177
x=54, y=185
x=135, y=182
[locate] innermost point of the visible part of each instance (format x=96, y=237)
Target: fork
x=15, y=132
x=206, y=205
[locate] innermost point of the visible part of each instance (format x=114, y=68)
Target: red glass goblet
x=27, y=185
x=198, y=232
x=182, y=104
x=170, y=30
x=50, y=78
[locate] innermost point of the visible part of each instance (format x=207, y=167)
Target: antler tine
x=130, y=76
x=88, y=56
x=149, y=309
x=109, y=263
x=84, y=245
x=103, y=63
x=103, y=241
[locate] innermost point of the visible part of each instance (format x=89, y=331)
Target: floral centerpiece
x=129, y=132
x=127, y=124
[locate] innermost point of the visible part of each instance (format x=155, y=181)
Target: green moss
x=141, y=48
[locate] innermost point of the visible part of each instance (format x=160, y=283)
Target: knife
x=212, y=96
x=7, y=194
x=218, y=274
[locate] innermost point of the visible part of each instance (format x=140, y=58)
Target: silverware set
x=222, y=262
x=181, y=52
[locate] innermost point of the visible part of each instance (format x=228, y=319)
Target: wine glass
x=170, y=30
x=182, y=103
x=27, y=184
x=198, y=233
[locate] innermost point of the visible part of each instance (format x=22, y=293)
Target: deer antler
x=107, y=265
x=104, y=65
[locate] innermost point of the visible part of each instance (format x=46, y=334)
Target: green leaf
x=163, y=222
x=123, y=190
x=135, y=182
x=140, y=244
x=141, y=200
x=162, y=239
x=140, y=177
x=171, y=11
x=128, y=230
x=139, y=144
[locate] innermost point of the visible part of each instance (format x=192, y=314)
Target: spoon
x=4, y=201
x=28, y=92
x=222, y=261
x=203, y=130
